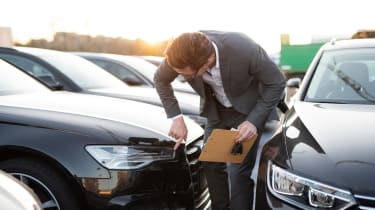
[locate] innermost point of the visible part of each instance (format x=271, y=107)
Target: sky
x=158, y=20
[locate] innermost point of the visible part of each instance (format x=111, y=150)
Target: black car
x=82, y=151
x=64, y=71
x=133, y=70
x=322, y=156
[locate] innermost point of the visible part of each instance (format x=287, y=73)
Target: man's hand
x=178, y=131
x=246, y=130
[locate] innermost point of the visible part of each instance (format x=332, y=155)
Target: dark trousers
x=238, y=193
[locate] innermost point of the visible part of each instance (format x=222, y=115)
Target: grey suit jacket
x=251, y=80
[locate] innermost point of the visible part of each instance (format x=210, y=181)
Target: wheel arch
x=17, y=152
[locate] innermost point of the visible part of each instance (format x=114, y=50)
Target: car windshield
x=148, y=69
x=14, y=81
x=344, y=76
x=82, y=72
x=86, y=74
x=141, y=65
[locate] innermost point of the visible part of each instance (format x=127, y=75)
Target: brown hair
x=189, y=49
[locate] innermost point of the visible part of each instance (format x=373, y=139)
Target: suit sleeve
x=272, y=85
x=163, y=78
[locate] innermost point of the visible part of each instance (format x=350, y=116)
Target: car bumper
x=117, y=193
x=176, y=184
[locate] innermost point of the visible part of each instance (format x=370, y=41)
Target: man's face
x=190, y=73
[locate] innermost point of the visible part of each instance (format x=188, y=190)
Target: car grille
x=199, y=183
x=365, y=202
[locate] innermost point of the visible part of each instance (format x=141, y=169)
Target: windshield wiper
x=356, y=86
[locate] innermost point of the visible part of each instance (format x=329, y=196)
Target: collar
x=216, y=56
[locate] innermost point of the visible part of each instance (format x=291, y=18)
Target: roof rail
x=333, y=41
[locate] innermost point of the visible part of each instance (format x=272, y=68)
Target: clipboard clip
x=236, y=149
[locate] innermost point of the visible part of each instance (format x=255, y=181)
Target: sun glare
x=153, y=39
x=154, y=36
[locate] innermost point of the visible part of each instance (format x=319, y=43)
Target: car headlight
x=198, y=119
x=306, y=193
x=128, y=157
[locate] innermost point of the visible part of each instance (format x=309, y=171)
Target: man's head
x=190, y=54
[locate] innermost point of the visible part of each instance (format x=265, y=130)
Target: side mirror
x=293, y=82
x=50, y=81
x=282, y=105
x=132, y=80
x=292, y=86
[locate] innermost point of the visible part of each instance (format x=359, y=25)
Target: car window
x=344, y=76
x=27, y=64
x=84, y=73
x=371, y=66
x=14, y=81
x=148, y=70
x=145, y=68
x=114, y=68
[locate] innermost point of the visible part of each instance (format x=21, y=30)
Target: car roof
x=111, y=56
x=349, y=43
x=38, y=51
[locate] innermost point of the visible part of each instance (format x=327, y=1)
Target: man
x=239, y=88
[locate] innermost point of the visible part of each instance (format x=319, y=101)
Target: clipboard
x=219, y=145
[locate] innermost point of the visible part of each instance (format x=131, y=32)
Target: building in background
x=6, y=37
x=296, y=58
x=365, y=33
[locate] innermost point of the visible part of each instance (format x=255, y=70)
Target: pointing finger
x=178, y=142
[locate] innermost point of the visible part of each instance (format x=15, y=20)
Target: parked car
x=64, y=71
x=322, y=157
x=82, y=151
x=16, y=195
x=156, y=60
x=131, y=69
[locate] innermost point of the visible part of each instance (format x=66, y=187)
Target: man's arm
x=273, y=84
x=162, y=79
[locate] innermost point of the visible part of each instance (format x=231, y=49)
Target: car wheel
x=48, y=185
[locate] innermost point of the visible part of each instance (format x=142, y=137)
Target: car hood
x=145, y=116
x=336, y=144
x=189, y=103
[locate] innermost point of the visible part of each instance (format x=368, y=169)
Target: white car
x=132, y=70
x=14, y=195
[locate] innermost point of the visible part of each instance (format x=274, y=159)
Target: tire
x=50, y=187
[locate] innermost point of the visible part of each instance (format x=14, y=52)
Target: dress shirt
x=213, y=78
